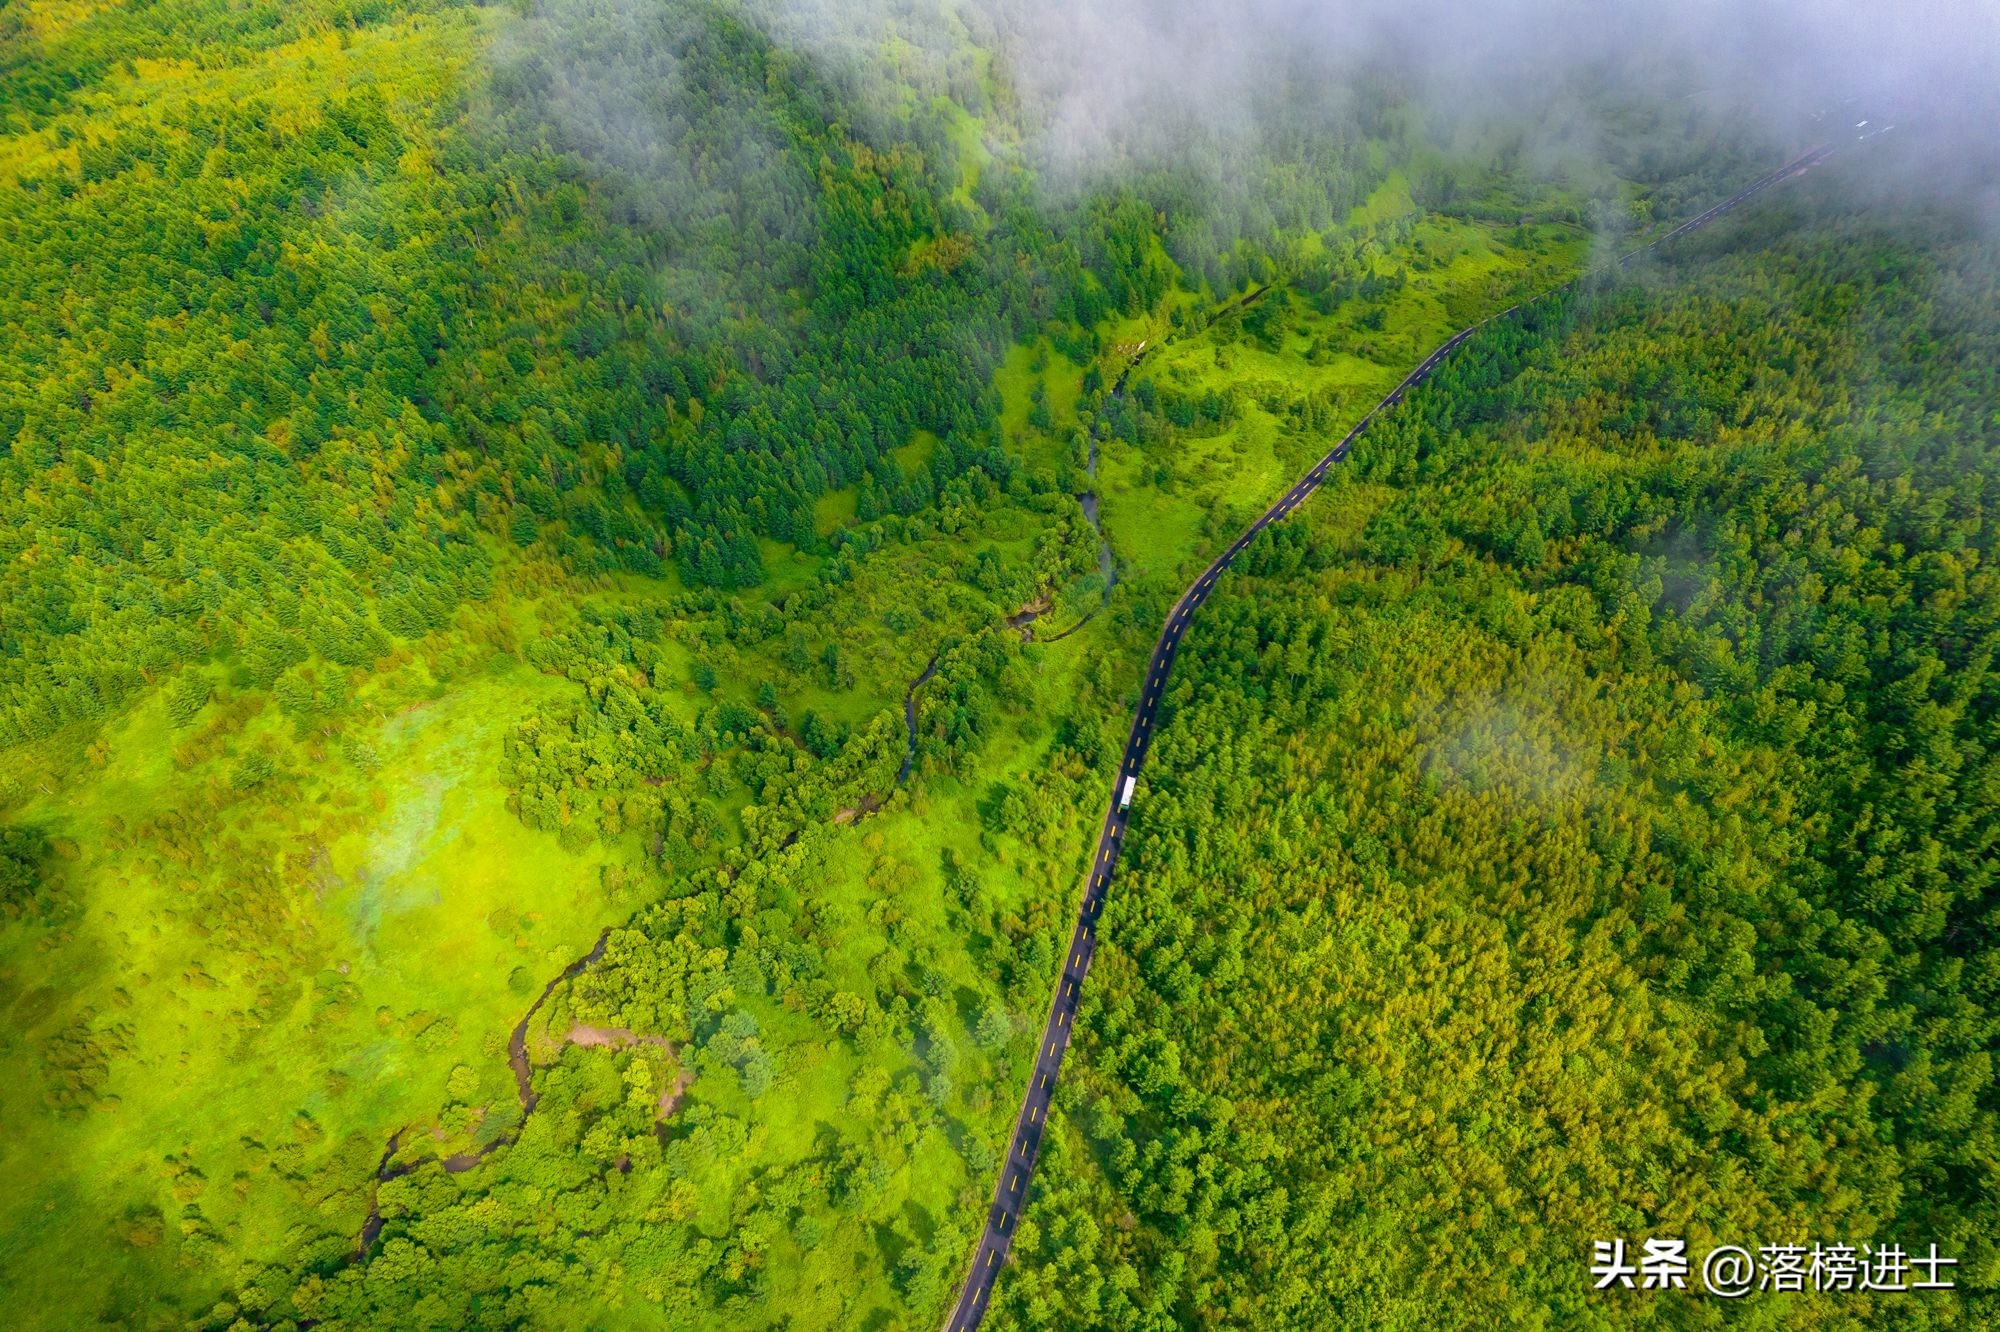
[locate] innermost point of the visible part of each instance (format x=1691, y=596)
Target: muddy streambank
x=910, y=723
x=384, y=1172
x=524, y=1089
x=517, y=1041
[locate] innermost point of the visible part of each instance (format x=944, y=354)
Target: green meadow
x=424, y=564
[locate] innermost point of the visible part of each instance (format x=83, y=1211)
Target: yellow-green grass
x=834, y=510
x=1061, y=381
x=786, y=567
x=917, y=453
x=824, y=1080
x=968, y=136
x=420, y=58
x=307, y=980
x=415, y=886
x=1168, y=507
x=1385, y=203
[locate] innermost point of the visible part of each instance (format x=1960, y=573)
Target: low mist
x=1249, y=98
x=1118, y=80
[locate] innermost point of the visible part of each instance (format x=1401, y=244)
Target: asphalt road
x=1011, y=1192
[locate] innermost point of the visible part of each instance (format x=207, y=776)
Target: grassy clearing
x=834, y=510
x=343, y=951
x=1027, y=369
x=293, y=938
x=1171, y=499
x=1387, y=202
x=282, y=998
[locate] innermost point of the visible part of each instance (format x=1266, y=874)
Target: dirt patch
x=621, y=1038
x=869, y=805
x=613, y=1038
x=1024, y=618
x=670, y=1099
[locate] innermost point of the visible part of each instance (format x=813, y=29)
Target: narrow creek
x=524, y=1089
x=1106, y=565
x=389, y=1168
x=517, y=1042
x=910, y=720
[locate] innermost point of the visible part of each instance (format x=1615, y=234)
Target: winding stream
x=524, y=1088
x=910, y=720
x=1106, y=566
x=517, y=1042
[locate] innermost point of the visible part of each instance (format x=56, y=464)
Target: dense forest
x=1582, y=824
x=571, y=578
x=439, y=527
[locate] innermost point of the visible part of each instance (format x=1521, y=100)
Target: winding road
x=1011, y=1191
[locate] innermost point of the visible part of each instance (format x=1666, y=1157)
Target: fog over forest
x=1100, y=72
x=631, y=631
x=1105, y=89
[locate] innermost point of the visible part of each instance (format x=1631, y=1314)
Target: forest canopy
x=573, y=576
x=1582, y=825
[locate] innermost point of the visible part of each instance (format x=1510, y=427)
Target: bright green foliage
x=341, y=404
x=555, y=674
x=282, y=358
x=1583, y=824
